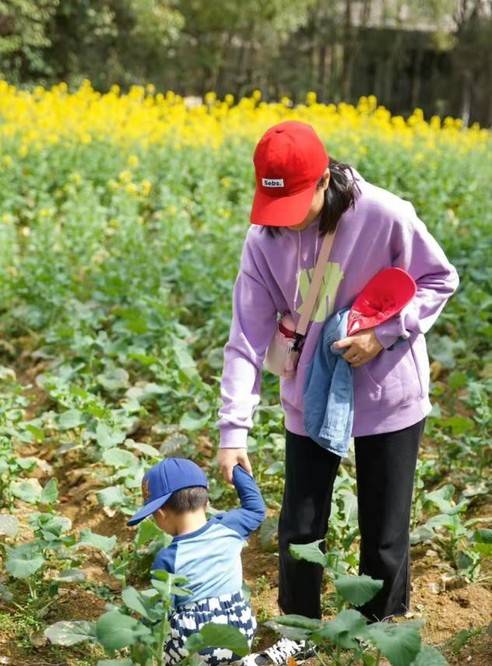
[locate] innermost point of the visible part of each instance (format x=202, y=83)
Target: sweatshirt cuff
x=389, y=333
x=233, y=437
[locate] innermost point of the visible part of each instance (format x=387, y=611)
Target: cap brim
x=393, y=283
x=148, y=509
x=281, y=211
x=384, y=296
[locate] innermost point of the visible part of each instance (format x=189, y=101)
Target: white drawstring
x=316, y=247
x=298, y=273
x=299, y=253
x=315, y=253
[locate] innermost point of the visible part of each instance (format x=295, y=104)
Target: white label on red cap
x=272, y=182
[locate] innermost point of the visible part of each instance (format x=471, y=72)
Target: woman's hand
x=228, y=458
x=361, y=347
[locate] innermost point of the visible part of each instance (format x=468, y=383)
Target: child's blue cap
x=164, y=479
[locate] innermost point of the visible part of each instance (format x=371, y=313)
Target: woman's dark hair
x=188, y=499
x=340, y=195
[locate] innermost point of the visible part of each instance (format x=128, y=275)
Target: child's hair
x=188, y=499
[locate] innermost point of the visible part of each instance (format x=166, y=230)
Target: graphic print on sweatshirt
x=329, y=286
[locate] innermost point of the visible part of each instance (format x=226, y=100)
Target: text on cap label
x=272, y=182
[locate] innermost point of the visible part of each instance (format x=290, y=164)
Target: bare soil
x=447, y=606
x=445, y=609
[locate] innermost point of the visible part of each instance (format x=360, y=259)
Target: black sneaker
x=279, y=653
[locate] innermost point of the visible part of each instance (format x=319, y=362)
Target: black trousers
x=385, y=466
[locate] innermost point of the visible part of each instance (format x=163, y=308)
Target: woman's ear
x=326, y=178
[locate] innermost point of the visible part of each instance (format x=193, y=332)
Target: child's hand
x=228, y=458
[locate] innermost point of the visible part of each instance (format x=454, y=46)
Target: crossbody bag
x=283, y=352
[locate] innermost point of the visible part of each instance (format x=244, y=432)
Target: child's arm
x=165, y=559
x=252, y=512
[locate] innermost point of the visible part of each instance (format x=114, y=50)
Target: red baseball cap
x=384, y=295
x=289, y=161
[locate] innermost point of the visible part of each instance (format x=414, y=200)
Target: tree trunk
x=466, y=95
x=346, y=82
x=416, y=78
x=322, y=68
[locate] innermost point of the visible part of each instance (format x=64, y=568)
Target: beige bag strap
x=315, y=285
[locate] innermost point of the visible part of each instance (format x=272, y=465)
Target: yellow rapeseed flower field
x=142, y=116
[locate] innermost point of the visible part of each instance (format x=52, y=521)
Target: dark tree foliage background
x=435, y=54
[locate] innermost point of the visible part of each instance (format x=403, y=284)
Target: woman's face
x=316, y=204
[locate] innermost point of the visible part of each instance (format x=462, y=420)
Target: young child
x=206, y=552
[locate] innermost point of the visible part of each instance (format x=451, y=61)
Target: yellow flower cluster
x=143, y=117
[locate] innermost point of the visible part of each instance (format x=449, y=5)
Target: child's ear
x=160, y=517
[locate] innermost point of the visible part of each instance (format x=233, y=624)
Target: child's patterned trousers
x=187, y=619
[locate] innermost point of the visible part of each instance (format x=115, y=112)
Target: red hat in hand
x=384, y=295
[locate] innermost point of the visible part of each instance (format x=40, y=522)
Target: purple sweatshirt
x=391, y=391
